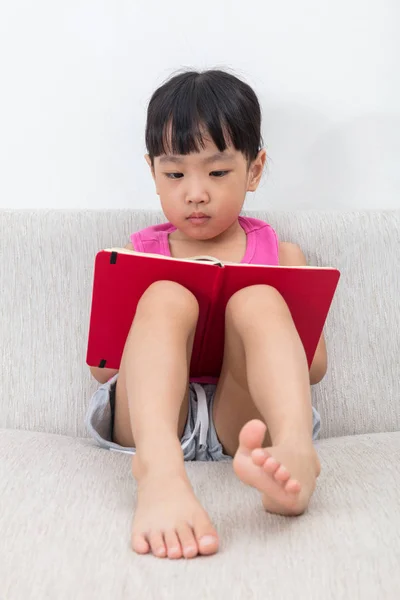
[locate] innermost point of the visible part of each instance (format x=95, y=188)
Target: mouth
x=198, y=218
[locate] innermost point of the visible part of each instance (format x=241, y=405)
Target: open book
x=121, y=276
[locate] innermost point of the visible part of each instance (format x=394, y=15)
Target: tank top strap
x=153, y=240
x=261, y=246
x=262, y=242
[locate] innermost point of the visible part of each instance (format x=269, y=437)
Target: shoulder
x=153, y=230
x=149, y=238
x=291, y=254
x=251, y=224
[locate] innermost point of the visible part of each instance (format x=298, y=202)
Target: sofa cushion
x=66, y=508
x=46, y=280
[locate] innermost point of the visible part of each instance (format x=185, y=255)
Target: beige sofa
x=66, y=504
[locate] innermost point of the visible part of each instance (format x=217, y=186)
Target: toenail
x=190, y=550
x=173, y=550
x=208, y=540
x=259, y=452
x=160, y=551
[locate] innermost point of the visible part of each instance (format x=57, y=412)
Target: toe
x=282, y=474
x=252, y=435
x=157, y=544
x=206, y=536
x=140, y=544
x=187, y=540
x=208, y=544
x=271, y=465
x=174, y=549
x=259, y=456
x=293, y=486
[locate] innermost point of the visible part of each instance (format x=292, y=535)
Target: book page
x=212, y=260
x=203, y=259
x=232, y=264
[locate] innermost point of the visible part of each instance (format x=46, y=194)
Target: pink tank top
x=261, y=248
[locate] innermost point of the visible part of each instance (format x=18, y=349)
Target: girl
x=205, y=152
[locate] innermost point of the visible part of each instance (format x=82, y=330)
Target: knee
x=169, y=298
x=254, y=300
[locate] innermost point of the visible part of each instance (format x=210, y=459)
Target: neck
x=228, y=234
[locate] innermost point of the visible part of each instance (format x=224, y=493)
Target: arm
x=292, y=255
x=103, y=375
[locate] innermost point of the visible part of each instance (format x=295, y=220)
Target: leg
x=264, y=384
x=151, y=408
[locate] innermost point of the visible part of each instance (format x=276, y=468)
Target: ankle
x=302, y=446
x=168, y=465
x=154, y=479
x=301, y=440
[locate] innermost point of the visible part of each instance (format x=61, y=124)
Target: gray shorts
x=199, y=440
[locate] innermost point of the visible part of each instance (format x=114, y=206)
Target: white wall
x=76, y=77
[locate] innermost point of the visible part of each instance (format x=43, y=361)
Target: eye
x=219, y=173
x=174, y=175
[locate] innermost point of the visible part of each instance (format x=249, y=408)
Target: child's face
x=207, y=183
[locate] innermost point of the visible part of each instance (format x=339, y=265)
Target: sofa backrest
x=46, y=270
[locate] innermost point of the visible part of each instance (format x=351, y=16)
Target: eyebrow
x=209, y=159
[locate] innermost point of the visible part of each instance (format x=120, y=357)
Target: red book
x=121, y=276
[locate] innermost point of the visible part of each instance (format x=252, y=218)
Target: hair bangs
x=194, y=106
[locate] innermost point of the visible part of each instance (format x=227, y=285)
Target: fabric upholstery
x=66, y=511
x=66, y=505
x=46, y=275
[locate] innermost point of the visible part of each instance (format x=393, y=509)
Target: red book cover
x=121, y=277
x=308, y=292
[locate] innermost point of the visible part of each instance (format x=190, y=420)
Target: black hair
x=214, y=100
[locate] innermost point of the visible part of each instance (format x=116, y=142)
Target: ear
x=148, y=160
x=256, y=170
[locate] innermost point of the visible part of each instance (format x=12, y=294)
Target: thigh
x=233, y=405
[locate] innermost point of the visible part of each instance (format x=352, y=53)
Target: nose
x=197, y=194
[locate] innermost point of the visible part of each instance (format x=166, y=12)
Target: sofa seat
x=66, y=509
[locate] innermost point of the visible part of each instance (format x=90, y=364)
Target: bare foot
x=285, y=474
x=169, y=521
